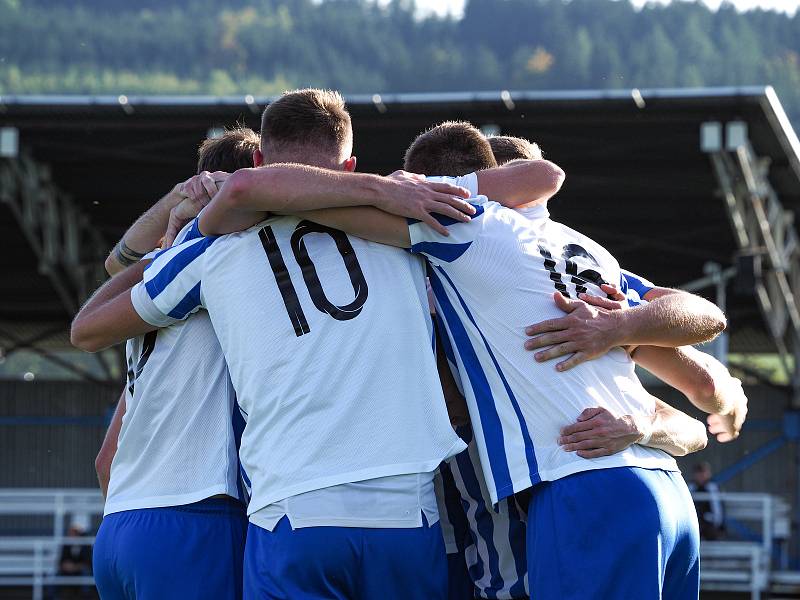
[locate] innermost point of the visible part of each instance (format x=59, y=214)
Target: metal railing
x=746, y=565
x=34, y=562
x=56, y=502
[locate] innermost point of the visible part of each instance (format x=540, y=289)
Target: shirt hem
x=172, y=500
x=523, y=483
x=352, y=477
x=348, y=522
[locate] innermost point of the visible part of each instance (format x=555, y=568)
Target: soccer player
x=326, y=338
x=169, y=466
x=492, y=542
x=487, y=274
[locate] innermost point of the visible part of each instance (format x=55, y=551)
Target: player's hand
x=586, y=332
x=198, y=192
x=728, y=426
x=597, y=433
x=614, y=300
x=413, y=197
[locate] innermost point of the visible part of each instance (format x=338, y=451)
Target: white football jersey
x=329, y=344
x=492, y=277
x=178, y=442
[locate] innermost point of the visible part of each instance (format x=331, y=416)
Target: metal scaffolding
x=69, y=251
x=768, y=246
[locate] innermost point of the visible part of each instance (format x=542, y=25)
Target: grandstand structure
x=689, y=188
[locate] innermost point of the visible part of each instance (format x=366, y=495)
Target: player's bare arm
x=705, y=381
x=597, y=432
x=108, y=317
x=588, y=331
x=512, y=185
x=147, y=231
x=250, y=194
x=521, y=182
x=105, y=456
x=456, y=403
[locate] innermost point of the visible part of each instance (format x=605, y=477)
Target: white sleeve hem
x=147, y=308
x=470, y=182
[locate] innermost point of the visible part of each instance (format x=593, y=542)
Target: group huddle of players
x=303, y=419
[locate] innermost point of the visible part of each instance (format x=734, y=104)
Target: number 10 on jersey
x=310, y=277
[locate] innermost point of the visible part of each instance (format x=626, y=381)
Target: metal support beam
x=717, y=277
x=765, y=234
x=19, y=343
x=69, y=250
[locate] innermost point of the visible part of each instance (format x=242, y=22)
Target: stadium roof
x=637, y=179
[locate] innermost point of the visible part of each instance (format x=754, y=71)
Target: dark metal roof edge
x=780, y=123
x=752, y=92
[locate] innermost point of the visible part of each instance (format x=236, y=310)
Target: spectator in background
x=76, y=559
x=709, y=509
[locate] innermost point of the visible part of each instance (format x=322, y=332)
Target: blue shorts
x=613, y=534
x=190, y=551
x=347, y=563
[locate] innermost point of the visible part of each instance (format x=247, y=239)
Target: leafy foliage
x=265, y=46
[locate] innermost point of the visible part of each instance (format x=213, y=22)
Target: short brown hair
x=229, y=152
x=308, y=126
x=507, y=148
x=453, y=148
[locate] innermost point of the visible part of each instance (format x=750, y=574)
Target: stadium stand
x=690, y=188
x=32, y=560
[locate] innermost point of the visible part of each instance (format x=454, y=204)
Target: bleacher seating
x=758, y=528
x=32, y=560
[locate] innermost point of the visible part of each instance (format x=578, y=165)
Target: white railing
x=56, y=502
x=745, y=566
x=33, y=560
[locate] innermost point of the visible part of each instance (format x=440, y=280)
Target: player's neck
x=542, y=202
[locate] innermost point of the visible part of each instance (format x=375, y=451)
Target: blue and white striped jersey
x=328, y=342
x=493, y=276
x=494, y=542
x=179, y=438
x=490, y=540
x=634, y=287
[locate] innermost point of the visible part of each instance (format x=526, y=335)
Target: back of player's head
x=507, y=148
x=453, y=148
x=309, y=126
x=229, y=152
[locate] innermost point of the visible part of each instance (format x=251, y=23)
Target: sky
x=443, y=7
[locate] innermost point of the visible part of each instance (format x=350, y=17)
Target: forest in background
x=263, y=47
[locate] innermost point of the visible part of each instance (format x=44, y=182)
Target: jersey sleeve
x=171, y=288
x=634, y=287
x=470, y=182
x=448, y=248
x=190, y=231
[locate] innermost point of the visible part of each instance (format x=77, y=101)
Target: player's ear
x=350, y=164
x=258, y=158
